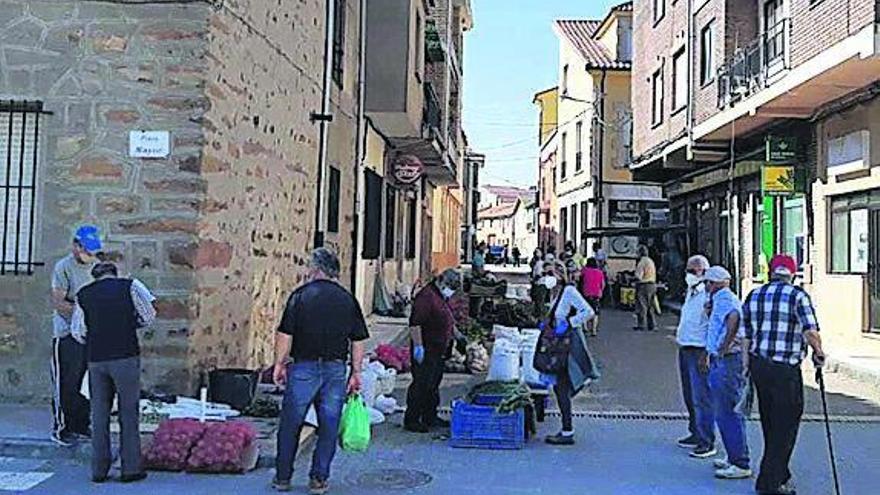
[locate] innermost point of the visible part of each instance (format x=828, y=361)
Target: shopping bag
x=354, y=427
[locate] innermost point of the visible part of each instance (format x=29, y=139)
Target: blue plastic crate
x=487, y=399
x=481, y=427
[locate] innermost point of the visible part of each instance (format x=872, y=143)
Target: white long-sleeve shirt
x=143, y=304
x=571, y=298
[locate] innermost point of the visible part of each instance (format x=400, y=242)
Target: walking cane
x=820, y=379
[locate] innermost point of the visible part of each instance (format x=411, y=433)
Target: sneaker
x=281, y=486
x=703, y=452
x=560, y=439
x=733, y=472
x=689, y=442
x=64, y=439
x=318, y=487
x=720, y=463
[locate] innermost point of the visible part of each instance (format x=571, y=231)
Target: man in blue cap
x=73, y=272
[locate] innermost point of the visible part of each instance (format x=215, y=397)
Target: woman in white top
x=571, y=307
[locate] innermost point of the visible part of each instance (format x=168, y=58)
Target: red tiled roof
x=499, y=211
x=581, y=34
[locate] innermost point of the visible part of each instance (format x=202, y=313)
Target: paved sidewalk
x=24, y=428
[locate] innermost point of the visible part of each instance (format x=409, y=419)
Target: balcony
x=754, y=66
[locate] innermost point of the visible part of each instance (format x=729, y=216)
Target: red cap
x=783, y=264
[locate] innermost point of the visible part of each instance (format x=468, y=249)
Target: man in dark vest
x=106, y=318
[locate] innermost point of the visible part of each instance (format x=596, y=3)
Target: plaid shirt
x=775, y=317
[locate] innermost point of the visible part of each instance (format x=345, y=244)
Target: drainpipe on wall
x=324, y=119
x=361, y=139
x=599, y=193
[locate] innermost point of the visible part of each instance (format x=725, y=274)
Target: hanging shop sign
x=778, y=180
x=408, y=169
x=781, y=149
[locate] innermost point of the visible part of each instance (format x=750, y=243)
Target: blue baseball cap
x=89, y=237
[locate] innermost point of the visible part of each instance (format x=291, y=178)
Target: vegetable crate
x=481, y=427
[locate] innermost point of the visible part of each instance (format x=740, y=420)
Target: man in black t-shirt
x=322, y=322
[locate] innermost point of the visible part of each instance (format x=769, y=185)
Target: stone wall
x=220, y=230
x=104, y=70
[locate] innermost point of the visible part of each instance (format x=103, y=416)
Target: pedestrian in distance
x=569, y=312
x=693, y=361
x=71, y=273
x=478, y=264
x=592, y=287
x=724, y=344
x=516, y=255
x=780, y=324
x=602, y=259
x=432, y=328
x=537, y=256
x=106, y=319
x=321, y=327
x=646, y=291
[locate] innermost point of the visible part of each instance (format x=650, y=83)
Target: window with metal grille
x=339, y=42
x=19, y=157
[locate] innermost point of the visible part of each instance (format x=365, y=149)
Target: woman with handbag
x=562, y=351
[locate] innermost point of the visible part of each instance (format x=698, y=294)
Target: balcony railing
x=752, y=67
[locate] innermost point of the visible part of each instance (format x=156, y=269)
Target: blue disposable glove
x=561, y=327
x=419, y=354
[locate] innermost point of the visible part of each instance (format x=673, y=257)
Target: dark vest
x=111, y=319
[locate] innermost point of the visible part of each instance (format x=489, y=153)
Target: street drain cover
x=391, y=479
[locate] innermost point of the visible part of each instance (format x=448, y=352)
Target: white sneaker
x=733, y=473
x=721, y=463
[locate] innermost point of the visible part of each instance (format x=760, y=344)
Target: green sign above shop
x=781, y=149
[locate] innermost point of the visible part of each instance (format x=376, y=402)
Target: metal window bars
x=751, y=67
x=19, y=156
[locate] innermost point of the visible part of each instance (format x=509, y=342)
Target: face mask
x=447, y=292
x=549, y=282
x=692, y=280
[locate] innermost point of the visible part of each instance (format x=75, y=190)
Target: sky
x=511, y=54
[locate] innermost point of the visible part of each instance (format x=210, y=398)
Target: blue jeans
x=322, y=383
x=726, y=384
x=695, y=390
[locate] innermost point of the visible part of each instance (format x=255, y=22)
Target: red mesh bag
x=224, y=448
x=172, y=443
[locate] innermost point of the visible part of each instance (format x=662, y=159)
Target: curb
x=854, y=371
x=38, y=448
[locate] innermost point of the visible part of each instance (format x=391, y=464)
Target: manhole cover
x=391, y=479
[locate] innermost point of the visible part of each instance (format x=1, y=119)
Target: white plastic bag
x=369, y=383
x=386, y=405
x=504, y=363
x=530, y=337
x=376, y=416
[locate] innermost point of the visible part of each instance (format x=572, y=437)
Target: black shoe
x=100, y=479
x=131, y=478
x=652, y=329
x=281, y=486
x=785, y=489
x=689, y=442
x=703, y=452
x=84, y=435
x=439, y=423
x=638, y=329
x=416, y=427
x=560, y=439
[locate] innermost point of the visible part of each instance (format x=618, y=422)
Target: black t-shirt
x=323, y=318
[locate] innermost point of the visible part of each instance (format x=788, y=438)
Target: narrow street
x=631, y=452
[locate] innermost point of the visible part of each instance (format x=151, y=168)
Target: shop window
x=849, y=153
x=849, y=241
x=793, y=229
x=411, y=229
x=372, y=215
x=757, y=238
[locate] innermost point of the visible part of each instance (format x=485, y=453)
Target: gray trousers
x=120, y=377
x=645, y=293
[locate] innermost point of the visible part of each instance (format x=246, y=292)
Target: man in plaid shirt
x=780, y=323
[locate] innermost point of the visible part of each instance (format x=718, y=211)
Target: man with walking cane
x=780, y=322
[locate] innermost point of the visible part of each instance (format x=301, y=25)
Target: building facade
x=547, y=102
x=595, y=191
x=761, y=121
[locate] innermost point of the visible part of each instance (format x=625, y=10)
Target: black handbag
x=551, y=351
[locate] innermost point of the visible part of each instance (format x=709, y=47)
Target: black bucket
x=235, y=387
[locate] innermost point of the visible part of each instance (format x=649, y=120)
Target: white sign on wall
x=849, y=153
x=149, y=144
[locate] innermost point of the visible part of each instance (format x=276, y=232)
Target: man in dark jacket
x=106, y=318
x=432, y=328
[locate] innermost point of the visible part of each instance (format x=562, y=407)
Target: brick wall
x=815, y=28
x=654, y=47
